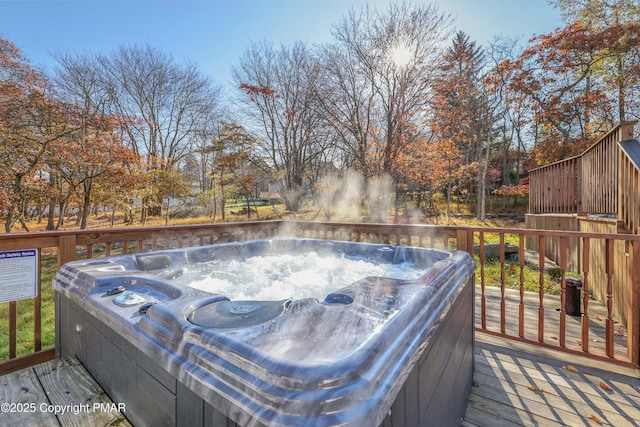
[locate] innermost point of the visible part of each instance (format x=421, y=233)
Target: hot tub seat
x=227, y=314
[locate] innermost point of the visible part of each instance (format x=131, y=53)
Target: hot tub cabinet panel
x=379, y=351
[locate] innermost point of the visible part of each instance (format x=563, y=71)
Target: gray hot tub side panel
x=138, y=363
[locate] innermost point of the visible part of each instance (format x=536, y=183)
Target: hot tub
x=379, y=350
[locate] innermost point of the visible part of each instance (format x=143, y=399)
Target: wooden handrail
x=64, y=244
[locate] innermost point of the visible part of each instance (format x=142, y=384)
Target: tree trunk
x=481, y=211
x=86, y=205
x=51, y=215
x=63, y=207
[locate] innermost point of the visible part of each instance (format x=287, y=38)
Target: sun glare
x=401, y=55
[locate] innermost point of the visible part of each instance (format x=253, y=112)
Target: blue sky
x=214, y=33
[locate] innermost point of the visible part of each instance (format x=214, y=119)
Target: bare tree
x=171, y=102
x=377, y=78
x=280, y=113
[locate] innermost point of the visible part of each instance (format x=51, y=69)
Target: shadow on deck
x=518, y=384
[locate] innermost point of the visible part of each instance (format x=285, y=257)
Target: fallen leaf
x=620, y=332
x=605, y=387
x=532, y=388
x=545, y=391
x=596, y=419
x=571, y=368
x=598, y=318
x=553, y=337
x=579, y=342
x=587, y=373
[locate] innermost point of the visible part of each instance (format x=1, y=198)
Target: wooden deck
x=57, y=393
x=517, y=384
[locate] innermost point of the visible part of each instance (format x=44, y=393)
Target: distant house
x=271, y=196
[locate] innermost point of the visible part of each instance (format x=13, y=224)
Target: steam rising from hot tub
x=342, y=196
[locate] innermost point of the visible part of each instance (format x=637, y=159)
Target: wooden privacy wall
x=554, y=188
x=599, y=175
x=552, y=248
x=590, y=182
x=629, y=186
x=603, y=180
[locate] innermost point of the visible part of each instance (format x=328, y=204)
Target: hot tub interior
x=354, y=347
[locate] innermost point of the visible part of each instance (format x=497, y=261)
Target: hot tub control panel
x=128, y=299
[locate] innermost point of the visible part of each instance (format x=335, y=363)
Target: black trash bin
x=572, y=300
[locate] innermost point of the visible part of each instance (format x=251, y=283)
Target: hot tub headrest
x=153, y=261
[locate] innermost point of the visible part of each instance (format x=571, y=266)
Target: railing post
x=633, y=305
x=541, y=249
x=584, y=319
x=66, y=249
x=462, y=240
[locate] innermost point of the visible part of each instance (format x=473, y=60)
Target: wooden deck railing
x=592, y=182
x=604, y=345
x=629, y=186
x=508, y=276
x=555, y=188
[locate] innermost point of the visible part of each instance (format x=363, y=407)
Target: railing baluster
x=563, y=292
x=483, y=299
x=37, y=308
x=586, y=248
x=609, y=272
x=541, y=290
x=502, y=287
x=13, y=327
x=521, y=285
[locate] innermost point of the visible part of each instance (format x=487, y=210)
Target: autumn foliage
x=457, y=118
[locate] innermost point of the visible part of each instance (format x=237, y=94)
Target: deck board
x=62, y=382
x=514, y=385
x=22, y=389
